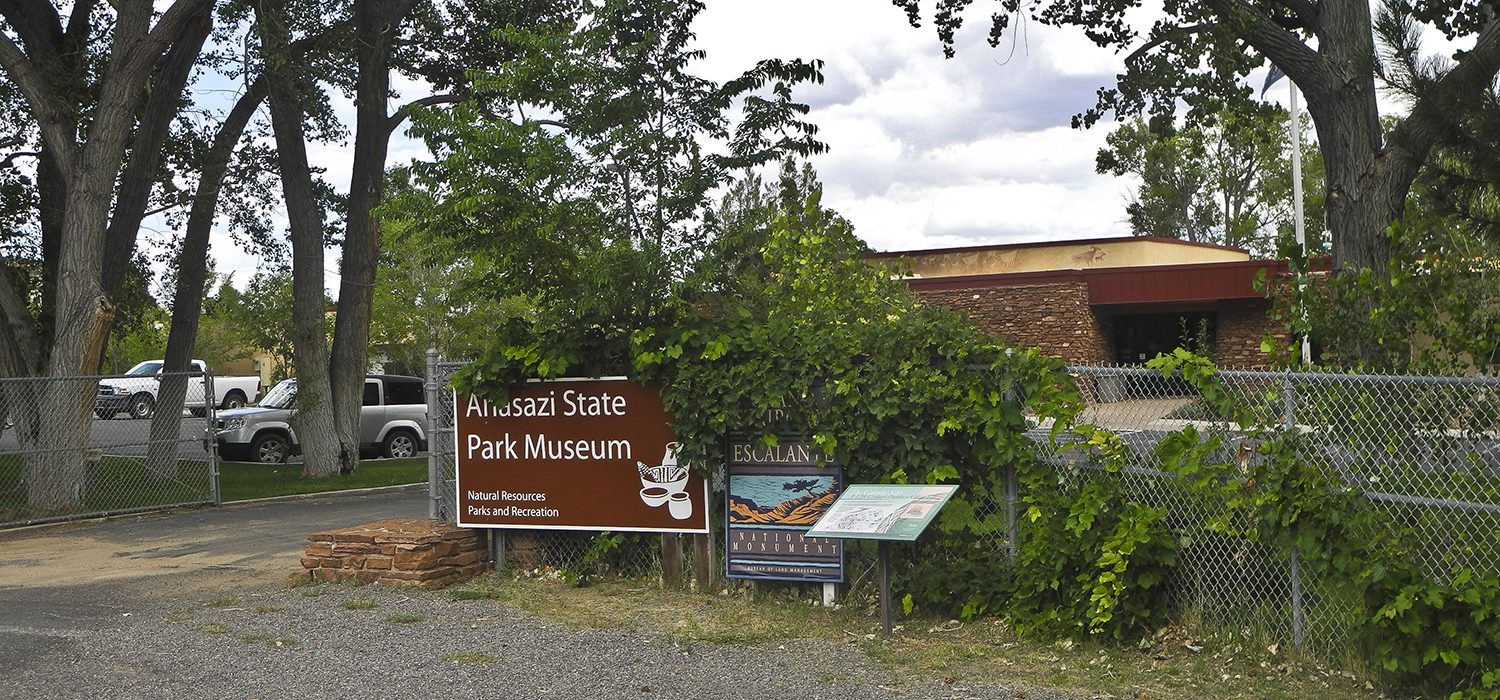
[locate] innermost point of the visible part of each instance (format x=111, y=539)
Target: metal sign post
x=884, y=512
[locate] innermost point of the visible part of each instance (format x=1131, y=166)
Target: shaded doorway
x=1140, y=337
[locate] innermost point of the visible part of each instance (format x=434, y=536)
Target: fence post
x=1012, y=495
x=210, y=421
x=671, y=558
x=1294, y=561
x=434, y=464
x=1298, y=632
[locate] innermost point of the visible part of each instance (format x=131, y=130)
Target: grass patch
x=264, y=609
x=313, y=592
x=125, y=483
x=222, y=602
x=121, y=482
x=483, y=588
x=469, y=657
x=405, y=619
x=927, y=648
x=360, y=604
x=242, y=481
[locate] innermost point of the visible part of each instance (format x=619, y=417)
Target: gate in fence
x=83, y=447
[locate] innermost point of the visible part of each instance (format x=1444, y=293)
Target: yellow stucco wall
x=1063, y=255
x=259, y=363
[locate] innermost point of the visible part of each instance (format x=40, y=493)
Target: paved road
x=123, y=436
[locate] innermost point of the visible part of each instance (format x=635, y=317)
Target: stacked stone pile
x=398, y=552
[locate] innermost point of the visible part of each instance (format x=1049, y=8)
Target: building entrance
x=1140, y=337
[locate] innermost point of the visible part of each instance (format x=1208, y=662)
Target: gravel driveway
x=221, y=624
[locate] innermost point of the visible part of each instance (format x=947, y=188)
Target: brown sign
x=585, y=454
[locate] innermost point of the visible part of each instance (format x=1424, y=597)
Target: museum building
x=1104, y=300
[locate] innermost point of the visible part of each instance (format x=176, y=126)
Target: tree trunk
x=314, y=421
x=146, y=151
x=375, y=24
x=80, y=312
x=192, y=274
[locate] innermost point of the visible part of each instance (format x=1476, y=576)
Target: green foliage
x=608, y=553
x=1434, y=631
x=429, y=293
x=601, y=208
x=1090, y=561
x=1436, y=309
x=1226, y=182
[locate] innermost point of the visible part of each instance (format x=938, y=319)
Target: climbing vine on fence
x=1435, y=632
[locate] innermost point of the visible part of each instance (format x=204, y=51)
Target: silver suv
x=391, y=422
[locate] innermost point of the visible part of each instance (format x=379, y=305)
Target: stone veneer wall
x=398, y=552
x=1242, y=324
x=1054, y=318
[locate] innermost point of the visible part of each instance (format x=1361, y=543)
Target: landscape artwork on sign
x=780, y=499
x=773, y=497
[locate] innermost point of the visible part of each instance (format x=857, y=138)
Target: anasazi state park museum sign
x=585, y=454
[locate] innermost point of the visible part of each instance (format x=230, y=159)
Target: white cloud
x=931, y=152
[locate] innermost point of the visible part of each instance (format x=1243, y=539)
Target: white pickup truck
x=135, y=392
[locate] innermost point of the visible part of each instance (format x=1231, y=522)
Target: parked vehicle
x=135, y=393
x=391, y=422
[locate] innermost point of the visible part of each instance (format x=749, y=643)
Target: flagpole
x=1296, y=129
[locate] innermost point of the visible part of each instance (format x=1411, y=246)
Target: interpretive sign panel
x=773, y=495
x=583, y=454
x=882, y=511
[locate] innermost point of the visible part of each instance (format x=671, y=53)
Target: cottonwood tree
x=1228, y=182
x=88, y=90
x=421, y=39
x=1200, y=53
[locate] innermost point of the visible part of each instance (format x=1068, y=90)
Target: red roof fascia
x=1131, y=285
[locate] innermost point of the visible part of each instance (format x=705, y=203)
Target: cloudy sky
x=925, y=152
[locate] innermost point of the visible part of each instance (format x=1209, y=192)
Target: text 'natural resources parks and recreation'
x=518, y=511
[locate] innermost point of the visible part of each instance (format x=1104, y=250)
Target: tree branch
x=1140, y=53
x=44, y=106
x=155, y=123
x=20, y=338
x=1310, y=14
x=36, y=23
x=18, y=154
x=1306, y=68
x=1418, y=133
x=405, y=110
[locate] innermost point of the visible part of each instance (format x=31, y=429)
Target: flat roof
x=1047, y=244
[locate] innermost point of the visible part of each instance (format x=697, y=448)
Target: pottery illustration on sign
x=666, y=482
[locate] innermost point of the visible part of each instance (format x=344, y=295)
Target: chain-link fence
x=1425, y=449
x=75, y=447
